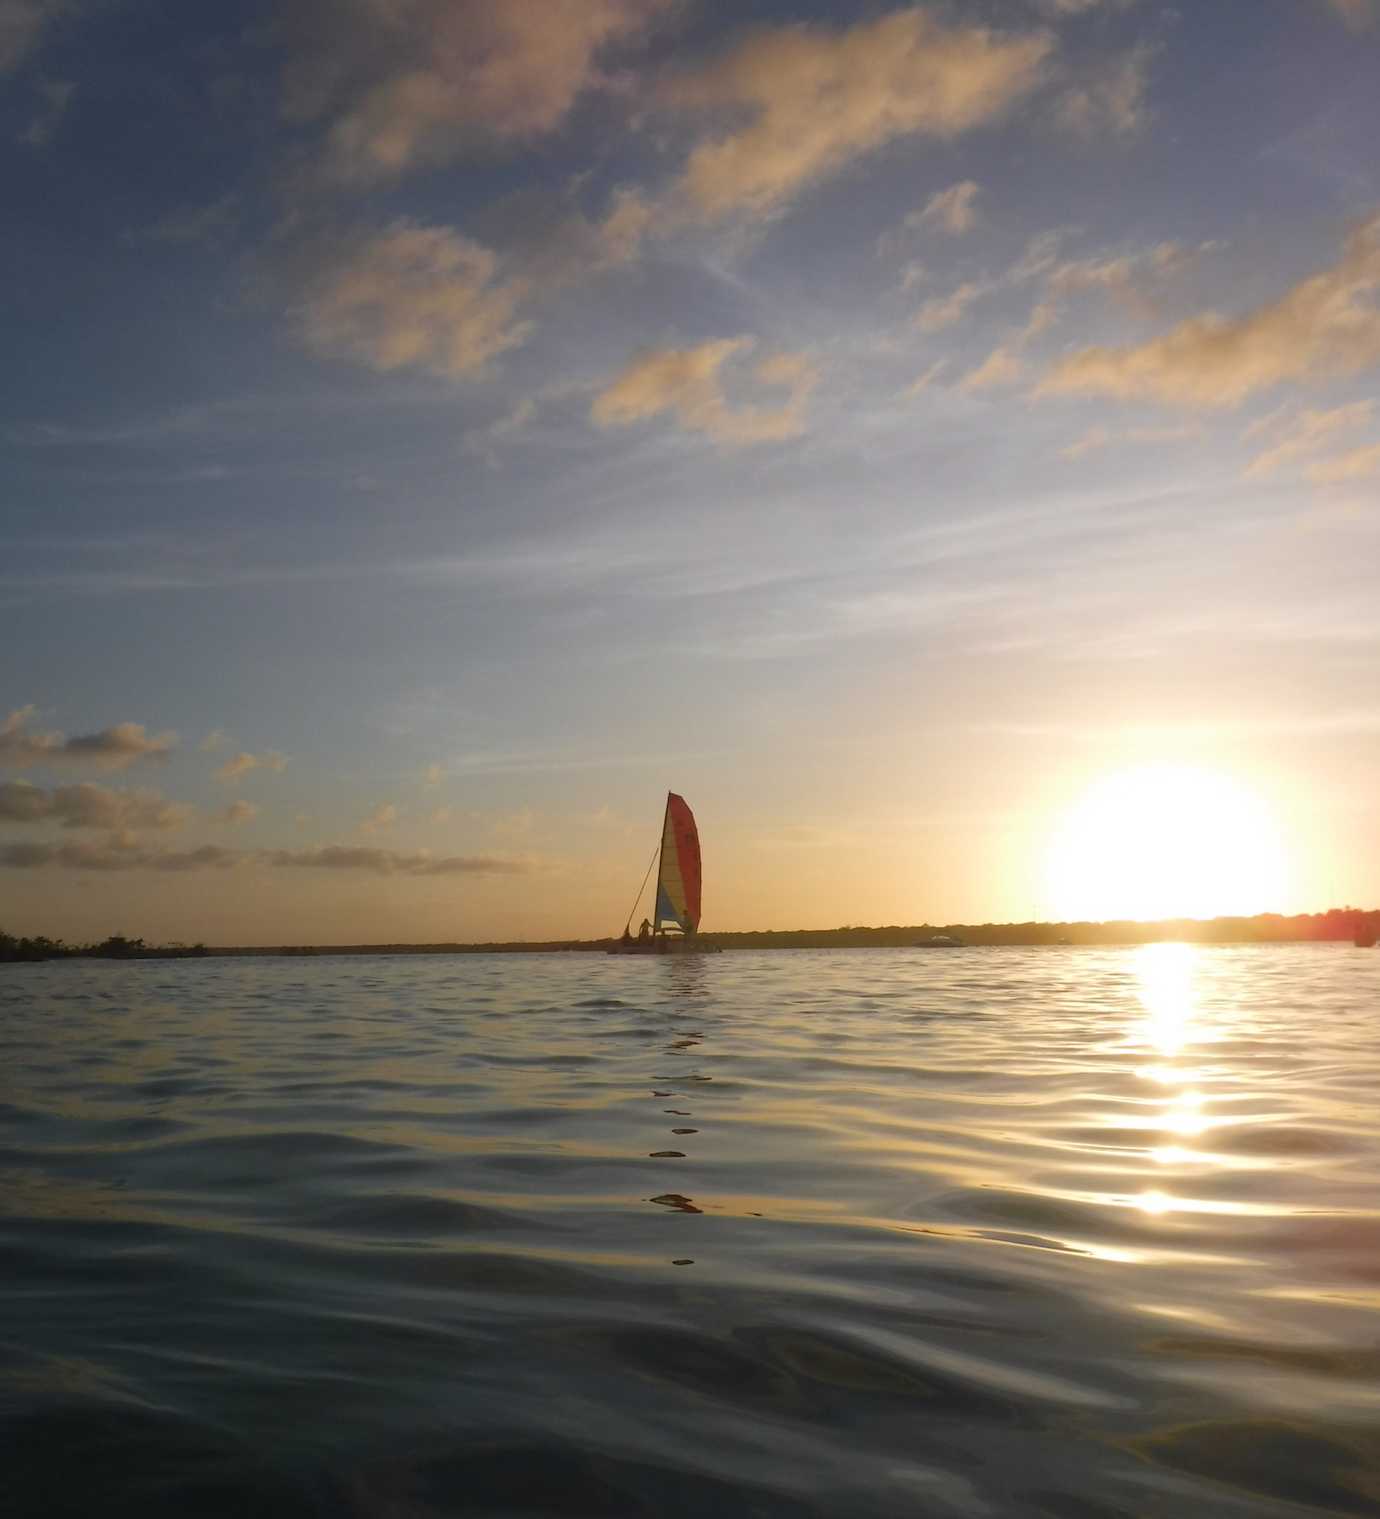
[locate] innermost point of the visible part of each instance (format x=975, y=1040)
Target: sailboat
x=675, y=919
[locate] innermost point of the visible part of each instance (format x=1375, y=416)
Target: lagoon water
x=1080, y=1233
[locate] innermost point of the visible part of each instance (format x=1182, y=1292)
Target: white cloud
x=113, y=748
x=688, y=384
x=403, y=84
x=1327, y=324
x=815, y=99
x=415, y=297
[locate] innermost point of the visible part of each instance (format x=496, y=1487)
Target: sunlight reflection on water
x=1044, y=1233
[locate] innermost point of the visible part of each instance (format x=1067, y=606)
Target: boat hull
x=666, y=946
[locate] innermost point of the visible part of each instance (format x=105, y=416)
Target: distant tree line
x=116, y=947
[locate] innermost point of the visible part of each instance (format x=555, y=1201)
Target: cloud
x=1110, y=100
x=403, y=84
x=1129, y=278
x=1328, y=324
x=57, y=96
x=1103, y=437
x=121, y=852
x=434, y=775
x=1357, y=14
x=688, y=384
x=1001, y=367
x=414, y=297
x=22, y=23
x=807, y=100
x=1308, y=433
x=383, y=816
x=113, y=748
x=207, y=223
x=390, y=862
x=922, y=384
x=1359, y=464
x=214, y=740
x=953, y=210
x=88, y=806
x=943, y=311
x=117, y=853
x=241, y=764
x=237, y=813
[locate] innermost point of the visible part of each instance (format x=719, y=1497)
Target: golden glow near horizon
x=1165, y=841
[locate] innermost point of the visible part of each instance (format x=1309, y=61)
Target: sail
x=678, y=882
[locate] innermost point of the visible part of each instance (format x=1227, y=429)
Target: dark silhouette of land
x=1338, y=924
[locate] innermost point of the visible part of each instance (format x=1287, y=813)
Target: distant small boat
x=1364, y=937
x=940, y=941
x=675, y=920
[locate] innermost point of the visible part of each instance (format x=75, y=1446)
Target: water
x=1078, y=1233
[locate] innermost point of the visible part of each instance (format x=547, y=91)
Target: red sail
x=681, y=830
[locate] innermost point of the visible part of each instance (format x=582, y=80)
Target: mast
x=660, y=861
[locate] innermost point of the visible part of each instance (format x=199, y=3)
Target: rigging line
x=641, y=889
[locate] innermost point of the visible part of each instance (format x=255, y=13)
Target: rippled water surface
x=1067, y=1232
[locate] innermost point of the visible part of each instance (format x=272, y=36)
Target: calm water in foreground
x=1072, y=1233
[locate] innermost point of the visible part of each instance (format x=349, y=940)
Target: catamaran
x=675, y=920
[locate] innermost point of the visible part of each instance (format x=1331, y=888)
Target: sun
x=1165, y=841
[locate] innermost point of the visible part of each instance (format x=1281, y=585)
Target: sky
x=430, y=430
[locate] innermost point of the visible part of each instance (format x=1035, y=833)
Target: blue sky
x=873, y=421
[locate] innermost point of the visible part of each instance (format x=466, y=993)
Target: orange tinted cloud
x=1327, y=324
x=688, y=384
x=815, y=98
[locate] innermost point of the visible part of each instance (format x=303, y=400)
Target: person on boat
x=644, y=930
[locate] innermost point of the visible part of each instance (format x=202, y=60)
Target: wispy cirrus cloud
x=113, y=748
x=89, y=806
x=1357, y=464
x=688, y=385
x=1307, y=433
x=1098, y=438
x=1327, y=324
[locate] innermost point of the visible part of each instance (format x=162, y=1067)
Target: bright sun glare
x=1166, y=842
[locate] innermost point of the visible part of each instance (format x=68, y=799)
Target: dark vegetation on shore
x=1339, y=924
x=116, y=947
